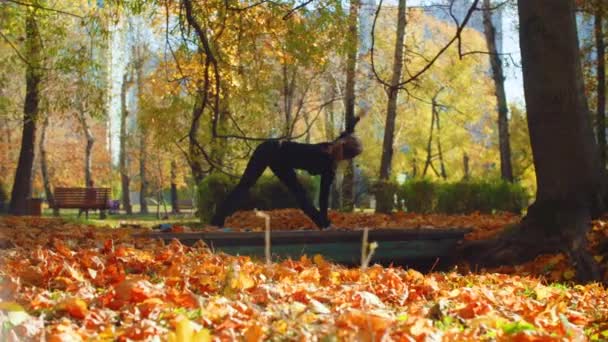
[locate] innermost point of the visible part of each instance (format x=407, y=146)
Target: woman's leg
x=289, y=178
x=260, y=159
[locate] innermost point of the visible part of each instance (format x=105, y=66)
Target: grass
x=146, y=220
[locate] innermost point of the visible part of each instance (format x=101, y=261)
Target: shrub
x=211, y=192
x=419, y=196
x=384, y=191
x=268, y=193
x=463, y=197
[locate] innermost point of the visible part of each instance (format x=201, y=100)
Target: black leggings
x=265, y=155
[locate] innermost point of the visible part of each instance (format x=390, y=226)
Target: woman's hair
x=351, y=146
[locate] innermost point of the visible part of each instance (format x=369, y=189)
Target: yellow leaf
x=184, y=330
x=542, y=292
x=319, y=260
x=598, y=258
x=11, y=306
x=203, y=335
x=569, y=274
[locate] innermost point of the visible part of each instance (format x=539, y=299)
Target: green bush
x=385, y=191
x=211, y=192
x=463, y=197
x=268, y=193
x=419, y=196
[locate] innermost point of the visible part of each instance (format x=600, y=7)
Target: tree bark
x=44, y=169
x=22, y=186
x=429, y=144
x=506, y=169
x=570, y=183
x=393, y=92
x=465, y=165
x=143, y=184
x=198, y=173
x=600, y=47
x=348, y=195
x=174, y=198
x=439, y=150
x=143, y=189
x=123, y=156
x=88, y=154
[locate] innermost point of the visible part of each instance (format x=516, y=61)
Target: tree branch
x=44, y=8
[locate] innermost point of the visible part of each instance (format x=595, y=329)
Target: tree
x=127, y=81
x=393, y=92
x=571, y=185
x=348, y=195
x=44, y=166
x=22, y=185
x=600, y=47
x=506, y=170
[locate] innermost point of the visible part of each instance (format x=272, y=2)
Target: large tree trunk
x=506, y=170
x=22, y=186
x=195, y=153
x=44, y=169
x=393, y=92
x=123, y=156
x=570, y=181
x=601, y=83
x=348, y=196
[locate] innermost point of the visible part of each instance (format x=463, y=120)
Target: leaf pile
x=290, y=219
x=69, y=283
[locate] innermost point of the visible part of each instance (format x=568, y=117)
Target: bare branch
x=508, y=54
x=293, y=10
x=414, y=77
x=44, y=8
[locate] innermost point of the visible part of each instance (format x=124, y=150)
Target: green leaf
x=516, y=327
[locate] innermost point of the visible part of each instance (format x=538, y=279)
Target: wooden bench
x=186, y=203
x=82, y=198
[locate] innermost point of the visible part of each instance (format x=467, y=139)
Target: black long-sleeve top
x=316, y=160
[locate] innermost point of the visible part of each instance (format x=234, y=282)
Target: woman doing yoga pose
x=283, y=157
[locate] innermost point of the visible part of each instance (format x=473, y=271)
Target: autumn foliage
x=70, y=282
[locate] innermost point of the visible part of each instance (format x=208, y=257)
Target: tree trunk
x=439, y=150
x=465, y=165
x=123, y=156
x=393, y=92
x=88, y=155
x=506, y=170
x=194, y=146
x=570, y=182
x=601, y=83
x=139, y=52
x=174, y=199
x=143, y=189
x=44, y=169
x=22, y=186
x=429, y=144
x=348, y=196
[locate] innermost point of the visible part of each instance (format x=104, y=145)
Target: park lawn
x=145, y=220
x=71, y=281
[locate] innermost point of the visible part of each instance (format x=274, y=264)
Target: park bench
x=82, y=198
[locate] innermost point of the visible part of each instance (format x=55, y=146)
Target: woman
x=283, y=157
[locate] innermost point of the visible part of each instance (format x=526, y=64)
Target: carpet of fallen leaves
x=68, y=282
x=484, y=225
